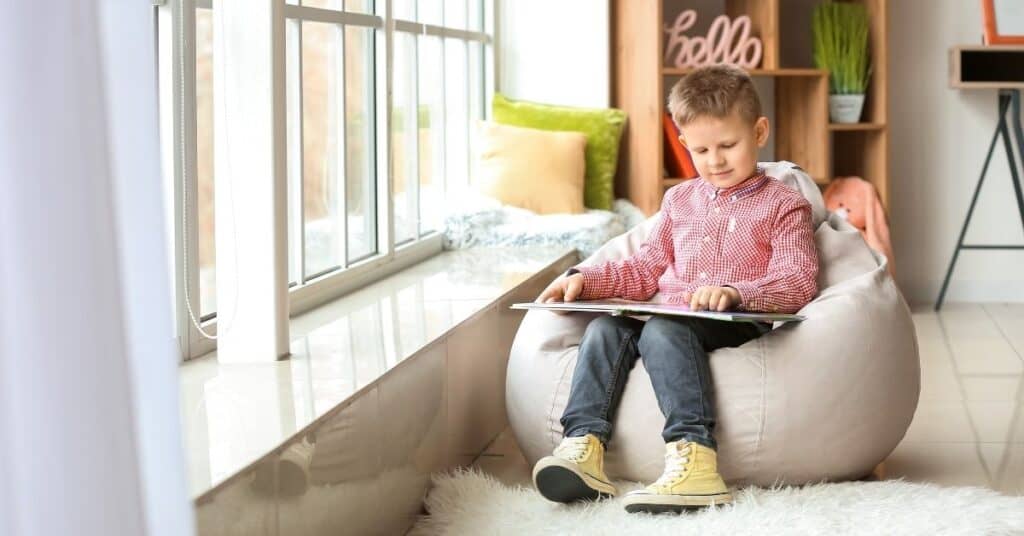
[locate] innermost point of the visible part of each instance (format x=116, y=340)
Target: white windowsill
x=235, y=414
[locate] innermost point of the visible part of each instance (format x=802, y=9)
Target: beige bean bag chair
x=825, y=399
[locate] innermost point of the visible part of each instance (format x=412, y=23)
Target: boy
x=732, y=238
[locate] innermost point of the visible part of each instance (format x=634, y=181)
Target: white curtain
x=90, y=441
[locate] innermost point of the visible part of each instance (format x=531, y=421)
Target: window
x=332, y=143
x=207, y=268
x=379, y=110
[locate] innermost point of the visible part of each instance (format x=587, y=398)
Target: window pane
x=353, y=6
x=476, y=15
x=429, y=12
x=294, y=140
x=323, y=4
x=359, y=6
x=404, y=9
x=476, y=92
x=204, y=162
x=404, y=137
x=456, y=133
x=431, y=138
x=322, y=151
x=359, y=131
x=455, y=14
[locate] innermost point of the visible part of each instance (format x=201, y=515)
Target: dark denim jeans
x=675, y=352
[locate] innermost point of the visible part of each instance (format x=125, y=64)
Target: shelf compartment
x=865, y=154
x=803, y=136
x=764, y=23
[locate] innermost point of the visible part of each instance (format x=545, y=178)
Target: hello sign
x=728, y=41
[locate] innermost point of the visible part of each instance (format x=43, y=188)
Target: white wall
x=555, y=52
x=938, y=141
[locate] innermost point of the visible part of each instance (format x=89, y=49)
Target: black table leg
x=1006, y=98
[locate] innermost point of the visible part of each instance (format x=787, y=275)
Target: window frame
x=175, y=24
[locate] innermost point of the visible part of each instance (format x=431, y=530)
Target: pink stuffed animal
x=856, y=200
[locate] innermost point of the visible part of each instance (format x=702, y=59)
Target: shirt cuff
x=750, y=295
x=594, y=285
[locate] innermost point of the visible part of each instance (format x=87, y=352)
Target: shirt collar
x=734, y=193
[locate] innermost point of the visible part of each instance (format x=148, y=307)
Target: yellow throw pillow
x=538, y=170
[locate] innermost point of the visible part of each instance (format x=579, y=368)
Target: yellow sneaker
x=574, y=472
x=690, y=480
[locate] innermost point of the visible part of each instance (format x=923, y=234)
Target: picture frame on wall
x=1003, y=22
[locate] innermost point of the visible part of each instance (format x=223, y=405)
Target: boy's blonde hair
x=714, y=90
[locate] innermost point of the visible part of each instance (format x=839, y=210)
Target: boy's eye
x=701, y=150
x=728, y=145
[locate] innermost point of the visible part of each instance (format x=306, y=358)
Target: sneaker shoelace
x=675, y=465
x=572, y=448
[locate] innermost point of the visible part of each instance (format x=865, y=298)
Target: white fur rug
x=470, y=502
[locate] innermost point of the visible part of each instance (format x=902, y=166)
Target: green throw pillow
x=603, y=128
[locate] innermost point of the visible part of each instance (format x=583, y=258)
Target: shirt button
x=703, y=275
x=707, y=238
x=717, y=210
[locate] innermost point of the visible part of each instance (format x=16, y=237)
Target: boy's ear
x=761, y=131
x=682, y=139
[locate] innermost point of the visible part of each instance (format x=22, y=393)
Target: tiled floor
x=969, y=425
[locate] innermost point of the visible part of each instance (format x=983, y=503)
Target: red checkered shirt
x=756, y=237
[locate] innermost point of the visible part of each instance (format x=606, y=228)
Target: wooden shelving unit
x=802, y=132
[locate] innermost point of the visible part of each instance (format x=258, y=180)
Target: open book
x=626, y=307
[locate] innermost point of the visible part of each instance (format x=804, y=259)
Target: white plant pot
x=845, y=108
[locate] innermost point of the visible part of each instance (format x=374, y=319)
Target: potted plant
x=840, y=32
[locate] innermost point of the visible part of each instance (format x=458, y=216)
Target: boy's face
x=724, y=149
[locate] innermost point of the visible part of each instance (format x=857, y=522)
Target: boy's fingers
x=723, y=302
x=573, y=289
x=550, y=294
x=697, y=299
x=714, y=295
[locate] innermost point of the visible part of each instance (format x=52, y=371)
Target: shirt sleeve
x=636, y=277
x=790, y=281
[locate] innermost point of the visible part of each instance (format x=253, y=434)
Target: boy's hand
x=714, y=299
x=563, y=289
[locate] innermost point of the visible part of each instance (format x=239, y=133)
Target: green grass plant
x=840, y=31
